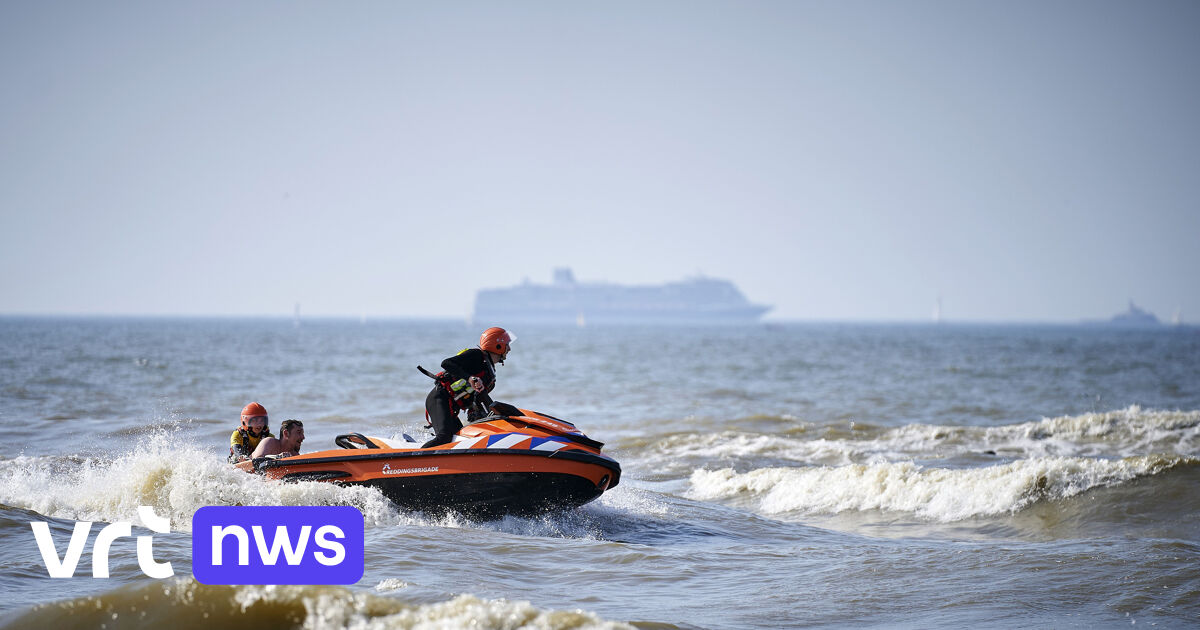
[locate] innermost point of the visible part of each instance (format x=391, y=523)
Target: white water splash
x=173, y=477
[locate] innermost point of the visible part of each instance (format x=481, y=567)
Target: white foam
x=1121, y=433
x=391, y=584
x=173, y=477
x=938, y=494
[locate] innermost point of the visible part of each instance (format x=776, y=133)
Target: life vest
x=461, y=392
x=242, y=441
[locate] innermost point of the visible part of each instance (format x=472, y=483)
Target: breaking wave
x=1121, y=433
x=936, y=494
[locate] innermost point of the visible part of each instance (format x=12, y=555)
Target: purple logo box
x=277, y=545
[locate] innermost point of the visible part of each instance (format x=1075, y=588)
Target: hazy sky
x=839, y=160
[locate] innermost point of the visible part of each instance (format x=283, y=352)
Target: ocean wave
x=173, y=477
x=184, y=603
x=1121, y=433
x=936, y=494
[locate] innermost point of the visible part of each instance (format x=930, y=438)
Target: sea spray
x=174, y=477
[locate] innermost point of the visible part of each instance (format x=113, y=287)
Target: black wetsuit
x=440, y=404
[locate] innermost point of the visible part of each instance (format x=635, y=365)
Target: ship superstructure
x=699, y=300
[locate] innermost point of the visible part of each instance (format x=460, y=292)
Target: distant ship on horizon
x=1135, y=317
x=699, y=300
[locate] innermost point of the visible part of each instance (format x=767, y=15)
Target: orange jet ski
x=514, y=461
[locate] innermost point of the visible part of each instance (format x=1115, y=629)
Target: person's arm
x=237, y=450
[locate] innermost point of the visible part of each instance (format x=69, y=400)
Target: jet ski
x=513, y=461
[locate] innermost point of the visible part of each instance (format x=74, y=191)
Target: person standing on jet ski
x=465, y=381
x=246, y=437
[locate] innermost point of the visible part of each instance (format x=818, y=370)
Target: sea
x=808, y=475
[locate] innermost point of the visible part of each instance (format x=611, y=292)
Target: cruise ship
x=1135, y=317
x=694, y=301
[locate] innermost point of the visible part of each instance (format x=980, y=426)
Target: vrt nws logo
x=64, y=567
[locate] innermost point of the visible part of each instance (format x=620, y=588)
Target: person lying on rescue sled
x=465, y=381
x=246, y=437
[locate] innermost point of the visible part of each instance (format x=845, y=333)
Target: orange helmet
x=496, y=340
x=253, y=410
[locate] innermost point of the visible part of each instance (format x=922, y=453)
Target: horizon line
x=468, y=320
